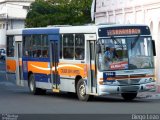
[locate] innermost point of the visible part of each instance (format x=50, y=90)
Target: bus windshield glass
x=125, y=53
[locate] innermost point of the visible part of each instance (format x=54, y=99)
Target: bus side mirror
x=154, y=48
x=98, y=48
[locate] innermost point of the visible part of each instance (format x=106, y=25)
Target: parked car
x=2, y=54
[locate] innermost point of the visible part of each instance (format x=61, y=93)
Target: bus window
x=36, y=46
x=79, y=46
x=10, y=46
x=45, y=46
x=61, y=46
x=68, y=46
x=27, y=46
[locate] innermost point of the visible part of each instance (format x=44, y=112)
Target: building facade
x=132, y=12
x=12, y=16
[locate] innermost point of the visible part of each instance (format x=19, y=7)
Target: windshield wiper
x=135, y=41
x=118, y=43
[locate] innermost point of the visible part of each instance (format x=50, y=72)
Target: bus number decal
x=109, y=76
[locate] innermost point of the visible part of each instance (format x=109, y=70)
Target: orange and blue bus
x=94, y=60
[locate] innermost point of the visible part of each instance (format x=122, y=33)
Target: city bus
x=94, y=60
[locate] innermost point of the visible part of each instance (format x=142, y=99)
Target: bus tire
x=81, y=91
x=32, y=86
x=129, y=96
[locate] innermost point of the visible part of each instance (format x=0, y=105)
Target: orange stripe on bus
x=39, y=67
x=64, y=69
x=72, y=70
x=11, y=65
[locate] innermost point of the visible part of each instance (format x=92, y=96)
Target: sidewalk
x=150, y=95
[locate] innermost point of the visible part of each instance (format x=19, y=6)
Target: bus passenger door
x=18, y=54
x=54, y=59
x=91, y=66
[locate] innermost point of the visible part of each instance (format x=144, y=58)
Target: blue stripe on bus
x=42, y=78
x=36, y=59
x=53, y=37
x=41, y=31
x=38, y=77
x=45, y=78
x=25, y=75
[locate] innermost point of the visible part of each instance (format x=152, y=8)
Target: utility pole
x=93, y=10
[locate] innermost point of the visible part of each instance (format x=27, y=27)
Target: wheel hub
x=31, y=85
x=82, y=90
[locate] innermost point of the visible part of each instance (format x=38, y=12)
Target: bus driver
x=108, y=56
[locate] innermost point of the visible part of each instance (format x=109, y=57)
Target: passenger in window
x=65, y=53
x=35, y=55
x=39, y=53
x=45, y=54
x=79, y=55
x=70, y=53
x=26, y=53
x=109, y=56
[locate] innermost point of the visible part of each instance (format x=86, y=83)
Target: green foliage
x=58, y=12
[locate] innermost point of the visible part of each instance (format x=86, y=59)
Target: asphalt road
x=18, y=100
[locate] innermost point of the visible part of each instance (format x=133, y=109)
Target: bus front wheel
x=129, y=96
x=32, y=86
x=81, y=91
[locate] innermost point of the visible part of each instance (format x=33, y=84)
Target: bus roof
x=94, y=28
x=41, y=31
x=78, y=29
x=68, y=29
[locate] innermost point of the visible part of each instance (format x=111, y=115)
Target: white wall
x=2, y=38
x=14, y=13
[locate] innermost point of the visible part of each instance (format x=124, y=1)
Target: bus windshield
x=124, y=53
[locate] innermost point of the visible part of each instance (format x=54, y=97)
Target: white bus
x=87, y=60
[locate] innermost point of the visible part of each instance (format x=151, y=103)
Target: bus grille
x=129, y=88
x=129, y=82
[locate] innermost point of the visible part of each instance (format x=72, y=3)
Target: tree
x=58, y=12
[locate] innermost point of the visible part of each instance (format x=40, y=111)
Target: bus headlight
x=149, y=80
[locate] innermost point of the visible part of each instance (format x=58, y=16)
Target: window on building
x=3, y=26
x=10, y=46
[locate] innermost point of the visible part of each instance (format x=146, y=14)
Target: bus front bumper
x=110, y=89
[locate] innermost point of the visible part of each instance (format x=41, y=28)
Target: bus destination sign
x=123, y=30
